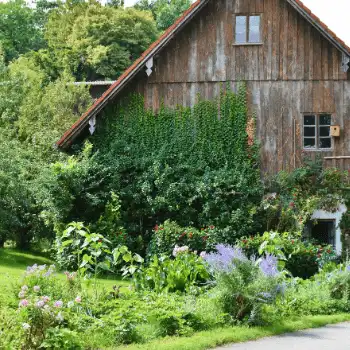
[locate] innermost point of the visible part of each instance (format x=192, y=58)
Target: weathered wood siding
x=294, y=71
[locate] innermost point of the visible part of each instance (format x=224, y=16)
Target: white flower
x=203, y=254
x=179, y=250
x=60, y=317
x=70, y=304
x=24, y=288
x=21, y=294
x=25, y=326
x=36, y=289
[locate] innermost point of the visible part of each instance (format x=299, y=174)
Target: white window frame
x=317, y=136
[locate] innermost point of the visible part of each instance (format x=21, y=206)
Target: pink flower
x=45, y=298
x=58, y=304
x=36, y=289
x=78, y=299
x=23, y=303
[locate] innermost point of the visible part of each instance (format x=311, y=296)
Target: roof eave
x=320, y=26
x=69, y=137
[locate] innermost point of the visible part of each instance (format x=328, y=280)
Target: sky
x=334, y=13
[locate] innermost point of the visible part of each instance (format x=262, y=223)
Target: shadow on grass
x=15, y=259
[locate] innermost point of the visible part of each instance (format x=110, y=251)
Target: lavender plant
x=244, y=285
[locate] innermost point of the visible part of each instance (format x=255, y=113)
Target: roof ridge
x=98, y=105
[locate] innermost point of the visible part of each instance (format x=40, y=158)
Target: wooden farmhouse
x=294, y=66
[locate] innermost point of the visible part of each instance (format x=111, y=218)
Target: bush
x=244, y=285
x=302, y=259
x=43, y=305
x=182, y=273
x=166, y=236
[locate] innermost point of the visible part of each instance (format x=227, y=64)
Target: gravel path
x=332, y=337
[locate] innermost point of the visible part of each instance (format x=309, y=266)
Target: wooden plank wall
x=294, y=71
x=291, y=48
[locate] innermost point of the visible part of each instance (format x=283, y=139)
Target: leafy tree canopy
x=96, y=42
x=164, y=11
x=19, y=32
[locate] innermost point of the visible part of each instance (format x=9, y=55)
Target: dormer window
x=248, y=29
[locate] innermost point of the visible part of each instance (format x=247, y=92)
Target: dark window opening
x=317, y=131
x=322, y=231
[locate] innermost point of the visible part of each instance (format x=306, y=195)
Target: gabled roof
x=67, y=139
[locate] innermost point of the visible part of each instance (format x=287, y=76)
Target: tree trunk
x=23, y=239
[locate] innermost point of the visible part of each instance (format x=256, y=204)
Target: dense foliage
x=186, y=165
x=301, y=258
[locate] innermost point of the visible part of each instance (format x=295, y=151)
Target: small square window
x=248, y=29
x=317, y=131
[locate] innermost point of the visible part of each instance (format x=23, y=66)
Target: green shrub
x=182, y=273
x=61, y=338
x=11, y=330
x=302, y=259
x=166, y=236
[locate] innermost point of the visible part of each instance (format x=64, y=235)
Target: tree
x=18, y=30
x=96, y=42
x=165, y=12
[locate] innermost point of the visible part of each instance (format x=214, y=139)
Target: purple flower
x=265, y=295
x=39, y=304
x=224, y=259
x=281, y=288
x=58, y=303
x=23, y=303
x=268, y=265
x=348, y=268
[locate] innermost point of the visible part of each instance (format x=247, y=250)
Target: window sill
x=318, y=149
x=247, y=44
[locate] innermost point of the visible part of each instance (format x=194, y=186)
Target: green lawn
x=13, y=263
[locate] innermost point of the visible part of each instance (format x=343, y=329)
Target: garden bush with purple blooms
x=244, y=285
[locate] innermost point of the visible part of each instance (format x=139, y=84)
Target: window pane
x=325, y=119
x=309, y=143
x=325, y=131
x=254, y=29
x=309, y=120
x=310, y=131
x=325, y=142
x=241, y=29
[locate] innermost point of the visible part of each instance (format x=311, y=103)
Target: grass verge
x=216, y=337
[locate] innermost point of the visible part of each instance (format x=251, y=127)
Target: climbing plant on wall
x=196, y=166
